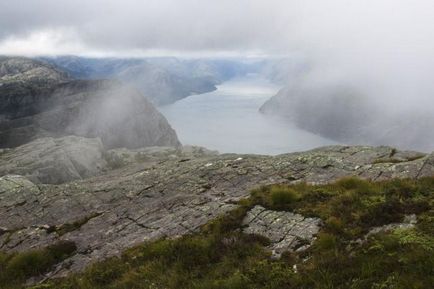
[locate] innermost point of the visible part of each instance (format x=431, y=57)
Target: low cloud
x=187, y=26
x=384, y=48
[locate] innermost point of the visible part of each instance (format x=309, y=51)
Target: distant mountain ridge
x=163, y=80
x=20, y=69
x=342, y=113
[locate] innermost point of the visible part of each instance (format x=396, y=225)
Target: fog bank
x=381, y=51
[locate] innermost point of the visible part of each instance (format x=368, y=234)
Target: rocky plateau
x=167, y=192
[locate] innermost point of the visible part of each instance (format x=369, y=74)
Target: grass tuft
x=18, y=267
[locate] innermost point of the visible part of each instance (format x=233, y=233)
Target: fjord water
x=228, y=120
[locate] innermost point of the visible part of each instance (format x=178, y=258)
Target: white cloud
x=384, y=45
x=43, y=42
x=183, y=26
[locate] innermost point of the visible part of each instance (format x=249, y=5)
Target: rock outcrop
x=286, y=231
x=116, y=113
x=409, y=222
x=16, y=190
x=21, y=80
x=155, y=198
x=60, y=160
x=21, y=69
x=55, y=161
x=121, y=157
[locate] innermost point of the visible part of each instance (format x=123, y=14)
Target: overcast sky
x=127, y=27
x=146, y=26
x=389, y=43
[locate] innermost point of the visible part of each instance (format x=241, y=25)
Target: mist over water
x=374, y=58
x=228, y=120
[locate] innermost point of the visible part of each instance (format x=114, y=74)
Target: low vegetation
x=113, y=160
x=220, y=256
x=16, y=268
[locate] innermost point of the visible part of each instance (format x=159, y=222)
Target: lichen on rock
x=286, y=231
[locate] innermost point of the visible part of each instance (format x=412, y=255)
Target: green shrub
x=28, y=264
x=335, y=225
x=282, y=196
x=326, y=242
x=361, y=187
x=20, y=266
x=106, y=272
x=392, y=211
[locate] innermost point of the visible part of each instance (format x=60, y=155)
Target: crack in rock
x=286, y=230
x=171, y=198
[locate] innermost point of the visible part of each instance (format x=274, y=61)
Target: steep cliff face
x=332, y=112
x=21, y=80
x=342, y=113
x=116, y=113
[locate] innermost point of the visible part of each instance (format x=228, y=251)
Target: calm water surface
x=228, y=120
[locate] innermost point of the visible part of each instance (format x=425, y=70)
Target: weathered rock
x=121, y=157
x=176, y=196
x=16, y=190
x=59, y=160
x=286, y=231
x=408, y=223
x=55, y=161
x=21, y=80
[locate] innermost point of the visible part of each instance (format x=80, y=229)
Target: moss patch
x=16, y=268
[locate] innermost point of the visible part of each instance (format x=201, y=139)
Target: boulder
x=54, y=161
x=285, y=230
